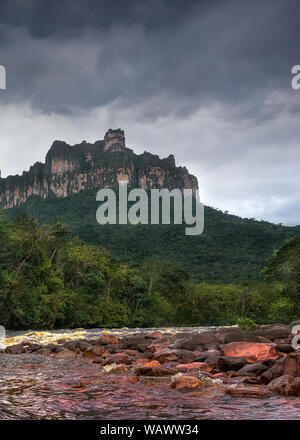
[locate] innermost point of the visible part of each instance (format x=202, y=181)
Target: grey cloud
x=192, y=54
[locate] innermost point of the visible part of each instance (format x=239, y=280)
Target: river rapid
x=33, y=386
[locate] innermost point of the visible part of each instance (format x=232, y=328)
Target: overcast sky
x=209, y=81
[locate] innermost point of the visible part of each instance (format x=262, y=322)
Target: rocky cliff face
x=70, y=169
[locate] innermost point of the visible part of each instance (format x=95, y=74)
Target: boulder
x=272, y=373
x=286, y=385
x=93, y=352
x=65, y=354
x=196, y=340
x=133, y=342
x=203, y=366
x=230, y=332
x=31, y=346
x=235, y=334
x=284, y=348
x=71, y=345
x=118, y=358
x=168, y=355
x=211, y=359
x=53, y=348
x=280, y=384
x=83, y=345
x=292, y=365
x=15, y=349
x=251, y=351
x=294, y=388
x=273, y=331
x=187, y=382
x=228, y=363
x=154, y=371
x=152, y=364
x=257, y=368
x=108, y=339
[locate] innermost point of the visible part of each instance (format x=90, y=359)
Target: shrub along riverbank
x=48, y=280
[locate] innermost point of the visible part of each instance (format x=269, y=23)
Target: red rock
x=249, y=392
x=152, y=364
x=292, y=365
x=194, y=365
x=251, y=351
x=108, y=339
x=131, y=379
x=187, y=382
x=89, y=354
x=93, y=352
x=118, y=358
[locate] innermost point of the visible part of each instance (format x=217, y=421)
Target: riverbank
x=218, y=373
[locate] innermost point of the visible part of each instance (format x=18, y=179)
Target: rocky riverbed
x=217, y=373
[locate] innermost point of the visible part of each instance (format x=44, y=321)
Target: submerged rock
x=131, y=379
x=248, y=392
x=154, y=371
x=187, y=382
x=65, y=354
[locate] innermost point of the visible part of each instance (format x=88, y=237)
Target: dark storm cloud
x=43, y=18
x=68, y=55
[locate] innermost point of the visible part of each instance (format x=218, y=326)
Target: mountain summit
x=69, y=170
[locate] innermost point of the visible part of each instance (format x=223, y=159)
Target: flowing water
x=33, y=386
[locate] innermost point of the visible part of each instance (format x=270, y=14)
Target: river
x=41, y=387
